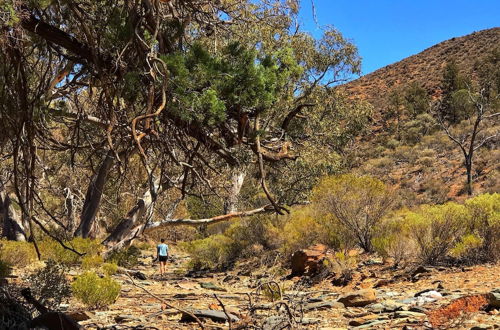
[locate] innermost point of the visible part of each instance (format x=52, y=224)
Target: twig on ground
x=225, y=312
x=166, y=302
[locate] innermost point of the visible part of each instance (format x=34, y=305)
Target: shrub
x=128, y=257
x=109, y=268
x=437, y=229
x=95, y=292
x=49, y=285
x=51, y=249
x=18, y=254
x=214, y=252
x=303, y=230
x=393, y=239
x=484, y=223
x=465, y=247
x=357, y=204
x=4, y=269
x=342, y=265
x=91, y=262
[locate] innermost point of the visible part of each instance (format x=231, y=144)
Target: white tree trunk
x=13, y=228
x=237, y=179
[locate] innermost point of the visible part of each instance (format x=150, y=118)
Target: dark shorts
x=162, y=258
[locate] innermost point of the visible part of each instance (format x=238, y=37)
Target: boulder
x=494, y=298
x=359, y=298
x=308, y=261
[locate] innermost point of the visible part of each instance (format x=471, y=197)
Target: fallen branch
x=220, y=218
x=225, y=312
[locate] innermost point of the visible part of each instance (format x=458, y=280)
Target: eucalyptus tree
x=194, y=92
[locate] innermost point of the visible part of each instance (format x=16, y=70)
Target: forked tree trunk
x=13, y=228
x=93, y=197
x=135, y=222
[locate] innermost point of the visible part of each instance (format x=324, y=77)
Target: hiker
x=162, y=255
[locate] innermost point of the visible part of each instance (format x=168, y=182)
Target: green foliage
x=416, y=100
x=467, y=233
x=484, y=224
x=436, y=229
x=17, y=254
x=303, y=229
x=4, y=269
x=109, y=268
x=50, y=285
x=245, y=238
x=92, y=262
x=128, y=257
x=393, y=240
x=209, y=88
x=467, y=243
x=412, y=131
x=95, y=292
x=214, y=252
x=456, y=103
x=51, y=249
x=356, y=203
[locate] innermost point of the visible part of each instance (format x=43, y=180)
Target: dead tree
x=485, y=107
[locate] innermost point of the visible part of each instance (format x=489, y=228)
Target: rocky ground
x=263, y=298
x=253, y=296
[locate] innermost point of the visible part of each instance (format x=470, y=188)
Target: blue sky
x=387, y=31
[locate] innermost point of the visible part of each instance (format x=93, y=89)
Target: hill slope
x=418, y=157
x=425, y=67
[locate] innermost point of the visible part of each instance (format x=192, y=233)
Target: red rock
x=308, y=261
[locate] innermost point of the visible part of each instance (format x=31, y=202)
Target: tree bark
x=93, y=198
x=70, y=211
x=468, y=168
x=135, y=221
x=13, y=228
x=237, y=179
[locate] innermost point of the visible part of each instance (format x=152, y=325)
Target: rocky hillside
x=417, y=156
x=425, y=67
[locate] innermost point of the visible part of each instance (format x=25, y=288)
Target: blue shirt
x=162, y=249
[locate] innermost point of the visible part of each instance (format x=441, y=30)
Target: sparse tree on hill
x=482, y=116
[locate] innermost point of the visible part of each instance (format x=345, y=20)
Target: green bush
x=51, y=249
x=357, y=205
x=304, y=229
x=213, y=252
x=17, y=254
x=95, y=292
x=50, y=285
x=128, y=257
x=484, y=223
x=4, y=269
x=109, y=268
x=437, y=229
x=91, y=262
x=393, y=240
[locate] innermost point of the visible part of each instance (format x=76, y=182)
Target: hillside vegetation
x=406, y=145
